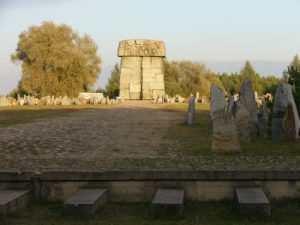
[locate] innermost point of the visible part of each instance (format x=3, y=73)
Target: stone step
x=252, y=200
x=13, y=200
x=85, y=202
x=167, y=201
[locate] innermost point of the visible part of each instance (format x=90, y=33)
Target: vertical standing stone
x=242, y=120
x=263, y=118
x=142, y=74
x=217, y=100
x=225, y=136
x=230, y=104
x=247, y=98
x=285, y=118
x=191, y=110
x=289, y=125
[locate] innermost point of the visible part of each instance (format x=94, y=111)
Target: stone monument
x=285, y=119
x=191, y=110
x=142, y=74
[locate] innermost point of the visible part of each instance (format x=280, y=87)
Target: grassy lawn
x=196, y=139
x=13, y=115
x=283, y=212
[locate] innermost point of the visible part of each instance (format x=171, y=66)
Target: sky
x=220, y=33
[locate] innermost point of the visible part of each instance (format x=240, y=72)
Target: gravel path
x=124, y=131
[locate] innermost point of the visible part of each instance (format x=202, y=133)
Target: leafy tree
x=293, y=78
x=269, y=84
x=113, y=86
x=231, y=82
x=248, y=71
x=171, y=77
x=185, y=77
x=56, y=60
x=101, y=90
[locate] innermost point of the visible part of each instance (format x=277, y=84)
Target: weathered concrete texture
x=86, y=202
x=13, y=200
x=252, y=201
x=242, y=121
x=167, y=200
x=247, y=98
x=285, y=119
x=225, y=136
x=141, y=47
x=142, y=74
x=217, y=101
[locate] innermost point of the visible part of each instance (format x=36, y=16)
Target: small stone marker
x=191, y=111
x=253, y=201
x=86, y=201
x=170, y=200
x=13, y=200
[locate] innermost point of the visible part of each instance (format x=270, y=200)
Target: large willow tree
x=56, y=60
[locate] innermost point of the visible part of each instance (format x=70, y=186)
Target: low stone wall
x=139, y=186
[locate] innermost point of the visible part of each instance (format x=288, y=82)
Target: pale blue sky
x=209, y=31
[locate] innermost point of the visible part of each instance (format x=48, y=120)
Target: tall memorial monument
x=142, y=73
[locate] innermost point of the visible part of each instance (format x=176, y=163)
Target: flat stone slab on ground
x=13, y=200
x=252, y=201
x=86, y=201
x=167, y=200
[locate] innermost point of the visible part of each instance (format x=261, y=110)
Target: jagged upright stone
x=225, y=136
x=142, y=74
x=285, y=118
x=217, y=100
x=242, y=120
x=191, y=110
x=230, y=104
x=263, y=118
x=247, y=98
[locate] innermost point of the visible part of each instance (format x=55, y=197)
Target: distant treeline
x=185, y=77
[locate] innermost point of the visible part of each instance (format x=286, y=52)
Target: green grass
x=13, y=115
x=196, y=139
x=283, y=212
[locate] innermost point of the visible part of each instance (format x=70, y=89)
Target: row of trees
x=185, y=77
x=261, y=84
x=58, y=61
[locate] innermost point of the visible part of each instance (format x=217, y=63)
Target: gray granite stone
x=252, y=201
x=167, y=201
x=224, y=136
x=86, y=201
x=242, y=121
x=247, y=98
x=191, y=111
x=263, y=119
x=13, y=200
x=217, y=101
x=282, y=118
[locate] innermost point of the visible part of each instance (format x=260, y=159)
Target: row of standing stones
x=82, y=99
x=240, y=120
